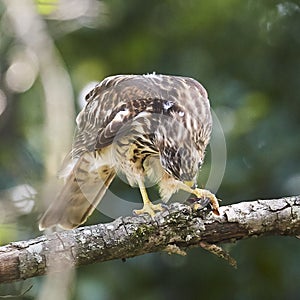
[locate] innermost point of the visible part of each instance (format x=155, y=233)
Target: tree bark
x=174, y=230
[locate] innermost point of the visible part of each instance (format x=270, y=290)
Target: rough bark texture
x=174, y=230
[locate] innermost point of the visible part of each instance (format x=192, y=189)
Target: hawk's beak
x=190, y=184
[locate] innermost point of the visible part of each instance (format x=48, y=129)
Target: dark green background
x=247, y=55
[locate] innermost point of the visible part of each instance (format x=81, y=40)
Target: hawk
x=149, y=127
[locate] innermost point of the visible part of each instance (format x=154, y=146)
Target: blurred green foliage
x=246, y=53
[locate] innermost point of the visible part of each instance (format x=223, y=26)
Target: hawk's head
x=181, y=162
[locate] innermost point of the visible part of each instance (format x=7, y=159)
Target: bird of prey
x=149, y=127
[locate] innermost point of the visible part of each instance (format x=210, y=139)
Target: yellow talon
x=189, y=183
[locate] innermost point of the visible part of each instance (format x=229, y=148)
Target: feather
x=80, y=195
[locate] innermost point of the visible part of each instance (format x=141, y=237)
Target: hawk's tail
x=79, y=197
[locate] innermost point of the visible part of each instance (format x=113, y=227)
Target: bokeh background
x=245, y=52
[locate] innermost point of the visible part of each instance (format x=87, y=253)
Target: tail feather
x=79, y=197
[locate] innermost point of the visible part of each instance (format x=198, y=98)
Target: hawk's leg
x=201, y=193
x=148, y=207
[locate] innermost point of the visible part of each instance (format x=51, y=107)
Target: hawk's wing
x=119, y=99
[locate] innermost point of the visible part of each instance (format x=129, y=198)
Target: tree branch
x=177, y=228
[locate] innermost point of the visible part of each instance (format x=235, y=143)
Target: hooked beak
x=190, y=184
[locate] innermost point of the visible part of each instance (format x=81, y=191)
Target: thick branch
x=179, y=227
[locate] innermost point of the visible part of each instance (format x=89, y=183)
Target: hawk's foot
x=198, y=204
x=149, y=208
x=205, y=194
x=200, y=193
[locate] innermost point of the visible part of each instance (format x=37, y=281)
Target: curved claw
x=198, y=204
x=200, y=193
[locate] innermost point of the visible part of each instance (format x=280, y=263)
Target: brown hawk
x=148, y=127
